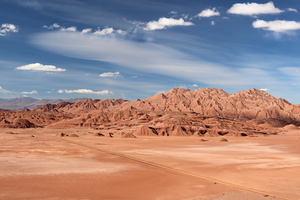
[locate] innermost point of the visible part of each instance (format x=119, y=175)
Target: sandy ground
x=54, y=168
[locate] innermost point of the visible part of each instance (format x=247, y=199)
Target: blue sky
x=137, y=48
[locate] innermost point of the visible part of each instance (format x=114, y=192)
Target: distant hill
x=23, y=102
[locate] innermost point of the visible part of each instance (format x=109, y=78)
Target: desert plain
x=49, y=167
x=184, y=145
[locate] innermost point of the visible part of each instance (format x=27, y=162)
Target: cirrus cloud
x=254, y=9
x=208, y=13
x=163, y=22
x=85, y=91
x=277, y=25
x=40, y=67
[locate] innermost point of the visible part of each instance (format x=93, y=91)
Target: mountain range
x=180, y=112
x=23, y=102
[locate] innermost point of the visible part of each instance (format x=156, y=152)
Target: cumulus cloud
x=87, y=30
x=104, y=31
x=3, y=91
x=110, y=74
x=32, y=92
x=85, y=91
x=208, y=13
x=254, y=9
x=292, y=10
x=40, y=67
x=163, y=22
x=195, y=85
x=277, y=25
x=5, y=28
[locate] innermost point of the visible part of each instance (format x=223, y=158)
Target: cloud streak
x=146, y=57
x=3, y=91
x=85, y=91
x=110, y=74
x=40, y=67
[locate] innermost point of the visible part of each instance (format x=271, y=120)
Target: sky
x=99, y=49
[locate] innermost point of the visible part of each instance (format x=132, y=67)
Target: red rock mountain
x=179, y=112
x=249, y=104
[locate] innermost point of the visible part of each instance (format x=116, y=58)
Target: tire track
x=177, y=171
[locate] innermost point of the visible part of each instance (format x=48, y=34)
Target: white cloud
x=32, y=92
x=254, y=9
x=160, y=92
x=166, y=22
x=5, y=28
x=139, y=56
x=173, y=12
x=55, y=25
x=85, y=91
x=185, y=16
x=87, y=30
x=212, y=23
x=110, y=74
x=71, y=29
x=292, y=10
x=208, y=13
x=40, y=67
x=3, y=91
x=277, y=25
x=133, y=76
x=121, y=32
x=104, y=31
x=195, y=85
x=265, y=89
